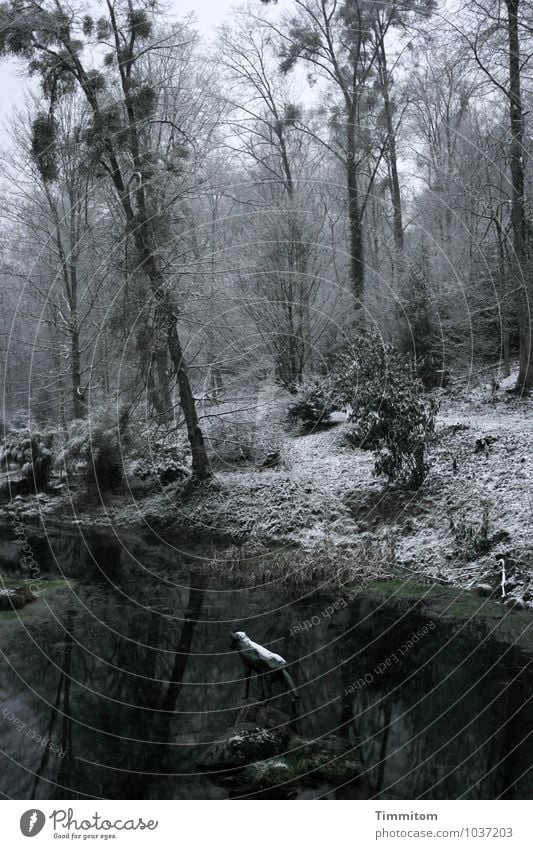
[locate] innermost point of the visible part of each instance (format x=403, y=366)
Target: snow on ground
x=466, y=480
x=463, y=482
x=326, y=491
x=323, y=491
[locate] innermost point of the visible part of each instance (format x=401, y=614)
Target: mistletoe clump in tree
x=56, y=42
x=388, y=411
x=344, y=44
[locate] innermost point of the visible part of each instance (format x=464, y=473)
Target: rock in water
x=241, y=745
x=485, y=590
x=14, y=599
x=250, y=759
x=265, y=716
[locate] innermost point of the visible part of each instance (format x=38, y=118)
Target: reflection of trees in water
x=427, y=726
x=184, y=646
x=60, y=714
x=412, y=739
x=128, y=694
x=385, y=711
x=163, y=726
x=146, y=689
x=518, y=732
x=380, y=701
x=114, y=698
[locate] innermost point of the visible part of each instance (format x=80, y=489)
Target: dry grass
x=326, y=565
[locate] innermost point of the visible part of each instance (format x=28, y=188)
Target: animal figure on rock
x=269, y=667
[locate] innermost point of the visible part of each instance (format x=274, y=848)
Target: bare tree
x=53, y=230
x=498, y=37
x=51, y=37
x=345, y=44
x=280, y=158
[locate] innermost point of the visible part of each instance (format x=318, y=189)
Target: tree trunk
x=504, y=317
x=298, y=269
x=59, y=354
x=157, y=377
x=147, y=261
x=200, y=462
x=357, y=265
x=71, y=277
x=140, y=226
x=78, y=401
x=518, y=210
x=505, y=350
x=392, y=156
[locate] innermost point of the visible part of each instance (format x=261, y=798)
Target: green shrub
x=388, y=411
x=95, y=447
x=164, y=471
x=31, y=451
x=314, y=404
x=158, y=455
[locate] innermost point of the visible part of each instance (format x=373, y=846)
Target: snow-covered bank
x=473, y=511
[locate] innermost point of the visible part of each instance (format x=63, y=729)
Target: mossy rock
x=305, y=763
x=240, y=762
x=239, y=746
x=301, y=767
x=266, y=774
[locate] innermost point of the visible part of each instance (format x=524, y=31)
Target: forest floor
x=474, y=508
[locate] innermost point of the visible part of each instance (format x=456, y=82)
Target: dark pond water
x=128, y=671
